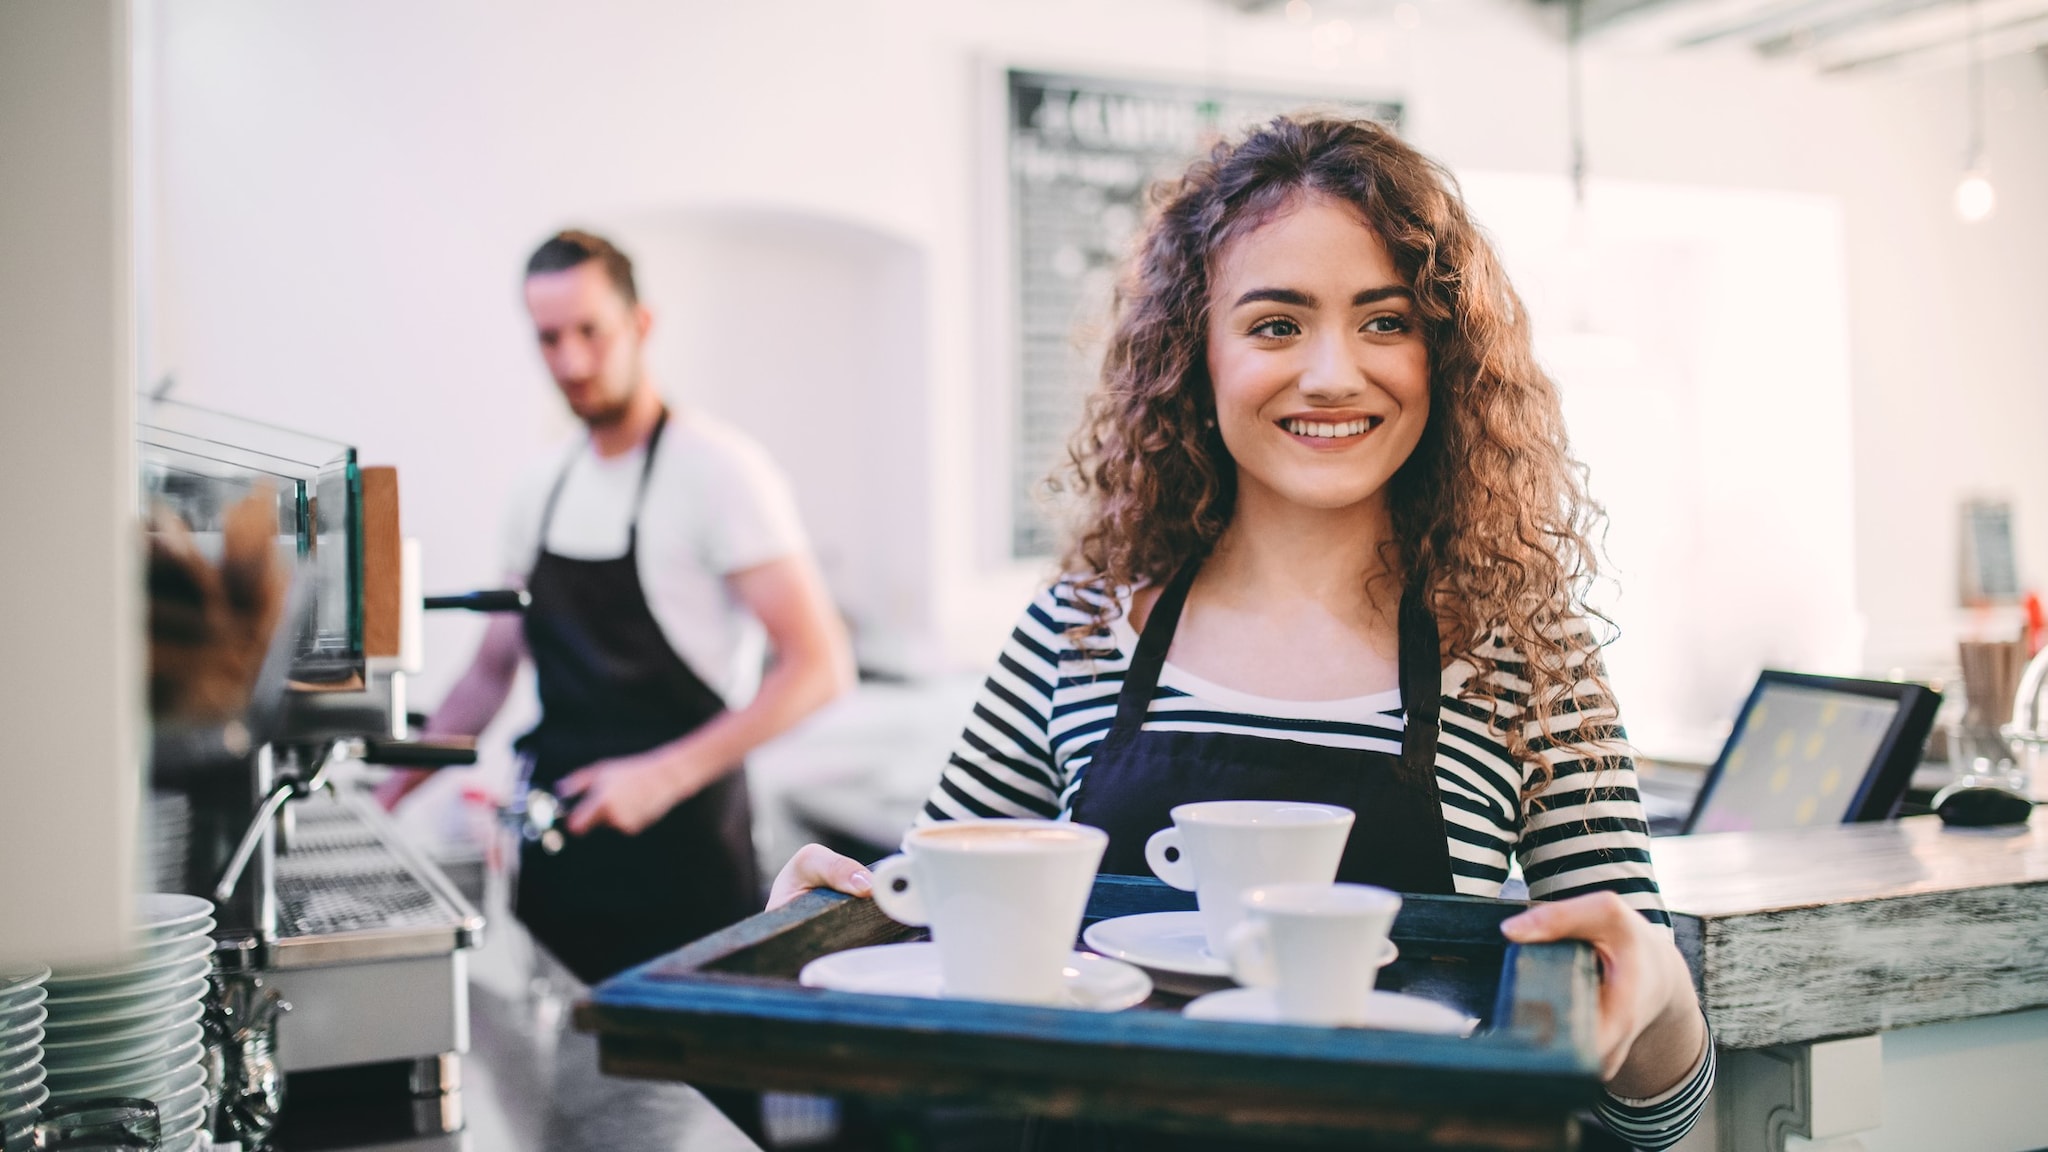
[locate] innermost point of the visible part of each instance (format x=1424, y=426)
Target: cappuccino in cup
x=1003, y=899
x=1219, y=848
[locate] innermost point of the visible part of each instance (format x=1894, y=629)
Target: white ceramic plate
x=19, y=1081
x=134, y=969
x=173, y=1104
x=160, y=914
x=82, y=1057
x=24, y=1007
x=181, y=1113
x=35, y=1101
x=17, y=984
x=174, y=986
x=59, y=1039
x=27, y=1027
x=129, y=1077
x=25, y=1049
x=1093, y=983
x=163, y=1087
x=1392, y=1011
x=1169, y=942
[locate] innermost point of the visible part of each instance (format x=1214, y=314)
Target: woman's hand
x=1651, y=1031
x=816, y=866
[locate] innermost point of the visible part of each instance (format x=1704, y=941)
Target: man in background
x=658, y=552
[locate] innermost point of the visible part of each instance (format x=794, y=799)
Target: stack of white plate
x=130, y=1029
x=21, y=1056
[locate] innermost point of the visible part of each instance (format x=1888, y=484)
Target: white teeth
x=1310, y=428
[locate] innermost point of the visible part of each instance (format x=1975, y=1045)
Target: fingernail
x=860, y=883
x=1516, y=926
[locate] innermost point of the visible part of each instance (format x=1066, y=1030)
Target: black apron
x=610, y=685
x=1136, y=777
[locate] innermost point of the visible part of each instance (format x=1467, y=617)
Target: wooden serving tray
x=727, y=1011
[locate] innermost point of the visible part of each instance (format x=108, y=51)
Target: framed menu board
x=1081, y=152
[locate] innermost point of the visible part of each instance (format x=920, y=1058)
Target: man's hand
x=1650, y=1030
x=630, y=793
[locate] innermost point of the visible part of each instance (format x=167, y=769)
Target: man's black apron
x=610, y=685
x=1136, y=777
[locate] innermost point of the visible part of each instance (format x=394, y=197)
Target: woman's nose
x=1332, y=373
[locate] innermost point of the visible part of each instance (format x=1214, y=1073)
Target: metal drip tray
x=348, y=888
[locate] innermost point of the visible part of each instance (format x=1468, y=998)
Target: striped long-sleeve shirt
x=1048, y=704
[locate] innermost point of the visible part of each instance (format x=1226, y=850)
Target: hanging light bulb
x=1975, y=197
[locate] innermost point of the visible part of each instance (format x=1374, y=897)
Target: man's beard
x=608, y=416
x=613, y=412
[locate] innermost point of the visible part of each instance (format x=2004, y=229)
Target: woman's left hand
x=1650, y=1031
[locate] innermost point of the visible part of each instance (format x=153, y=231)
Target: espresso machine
x=321, y=905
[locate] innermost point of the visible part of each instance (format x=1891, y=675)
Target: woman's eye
x=1387, y=325
x=1276, y=328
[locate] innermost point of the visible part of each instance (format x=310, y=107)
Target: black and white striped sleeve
x=1584, y=831
x=1003, y=763
x=1661, y=1121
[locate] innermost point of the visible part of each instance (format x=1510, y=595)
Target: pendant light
x=1578, y=243
x=1975, y=197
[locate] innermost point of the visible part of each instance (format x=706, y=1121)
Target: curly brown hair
x=1491, y=517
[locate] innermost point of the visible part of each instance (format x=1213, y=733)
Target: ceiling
x=1834, y=36
x=1840, y=37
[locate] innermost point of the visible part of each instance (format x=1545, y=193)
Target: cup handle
x=1250, y=945
x=896, y=892
x=1169, y=859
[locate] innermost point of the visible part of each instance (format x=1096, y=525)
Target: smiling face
x=1317, y=357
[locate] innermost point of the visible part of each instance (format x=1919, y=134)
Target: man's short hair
x=574, y=248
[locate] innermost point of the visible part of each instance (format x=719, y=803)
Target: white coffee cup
x=1219, y=848
x=1003, y=899
x=1318, y=946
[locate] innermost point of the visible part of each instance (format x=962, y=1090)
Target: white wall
x=71, y=683
x=348, y=190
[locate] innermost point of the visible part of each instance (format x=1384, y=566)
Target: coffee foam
x=999, y=835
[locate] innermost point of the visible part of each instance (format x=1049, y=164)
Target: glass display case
x=197, y=464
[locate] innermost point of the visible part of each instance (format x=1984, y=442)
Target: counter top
x=1845, y=931
x=1735, y=873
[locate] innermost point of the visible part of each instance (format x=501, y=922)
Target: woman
x=1333, y=549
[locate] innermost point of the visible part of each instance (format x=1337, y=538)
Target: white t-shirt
x=715, y=504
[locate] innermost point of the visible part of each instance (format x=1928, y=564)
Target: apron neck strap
x=1422, y=681
x=1141, y=679
x=1420, y=670
x=547, y=515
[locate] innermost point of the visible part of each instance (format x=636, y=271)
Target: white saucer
x=1393, y=1011
x=1094, y=983
x=1169, y=942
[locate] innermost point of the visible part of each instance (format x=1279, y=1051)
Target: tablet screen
x=1799, y=758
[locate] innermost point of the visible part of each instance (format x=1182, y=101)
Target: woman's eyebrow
x=1300, y=299
x=1277, y=296
x=1387, y=292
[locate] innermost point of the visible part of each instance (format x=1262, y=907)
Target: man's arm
x=813, y=665
x=473, y=702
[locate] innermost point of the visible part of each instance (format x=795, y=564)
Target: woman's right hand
x=816, y=866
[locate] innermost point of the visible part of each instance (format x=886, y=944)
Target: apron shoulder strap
x=1141, y=678
x=1422, y=678
x=547, y=510
x=646, y=470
